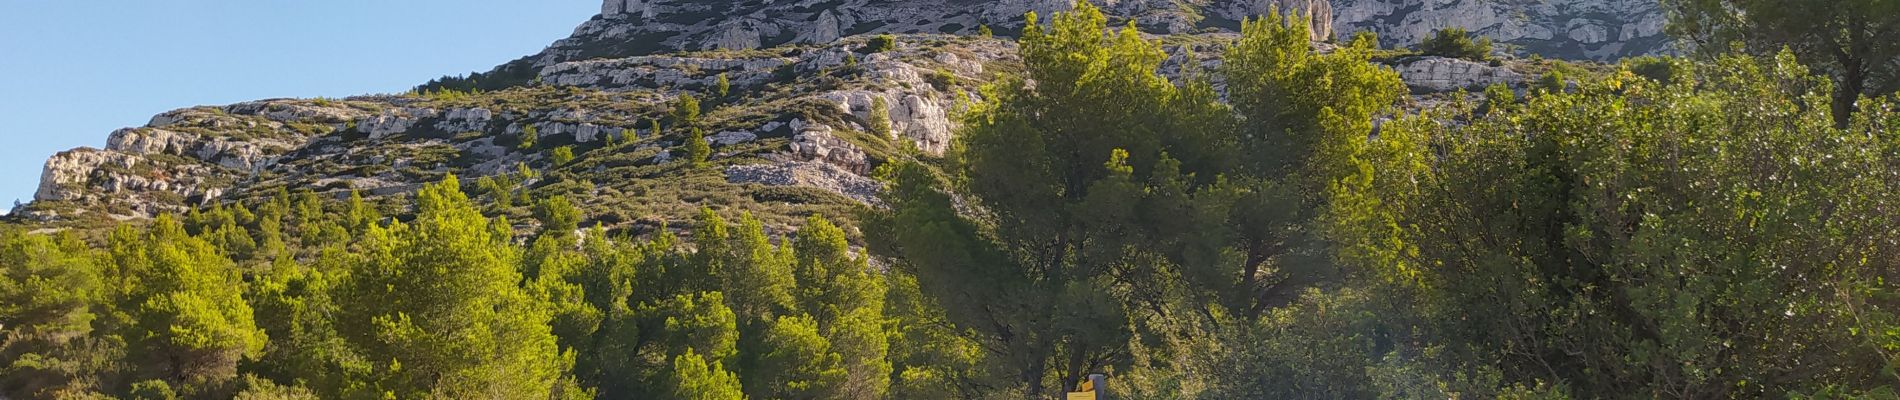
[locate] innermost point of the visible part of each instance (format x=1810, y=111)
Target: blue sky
x=73, y=71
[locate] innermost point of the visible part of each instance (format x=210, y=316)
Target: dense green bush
x=881, y=43
x=1456, y=43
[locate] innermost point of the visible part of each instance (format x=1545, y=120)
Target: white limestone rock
x=465, y=120
x=394, y=121
x=1439, y=74
x=816, y=143
x=818, y=175
x=729, y=138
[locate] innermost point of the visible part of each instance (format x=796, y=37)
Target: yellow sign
x=1081, y=395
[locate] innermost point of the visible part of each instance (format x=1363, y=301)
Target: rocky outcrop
x=65, y=172
x=1439, y=74
x=816, y=175
x=119, y=182
x=285, y=110
x=578, y=132
x=393, y=121
x=646, y=72
x=816, y=143
x=1574, y=29
x=643, y=27
x=236, y=154
x=915, y=118
x=465, y=120
x=1577, y=29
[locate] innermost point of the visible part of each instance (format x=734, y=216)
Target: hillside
x=867, y=200
x=793, y=135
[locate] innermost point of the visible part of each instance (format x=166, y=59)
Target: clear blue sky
x=73, y=71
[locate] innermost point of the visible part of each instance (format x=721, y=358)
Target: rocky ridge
x=1573, y=29
x=795, y=136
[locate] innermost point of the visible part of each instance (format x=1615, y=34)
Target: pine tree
x=880, y=118
x=529, y=135
x=188, y=322
x=686, y=110
x=440, y=300
x=696, y=379
x=797, y=363
x=51, y=300
x=697, y=150
x=723, y=86
x=758, y=275
x=847, y=299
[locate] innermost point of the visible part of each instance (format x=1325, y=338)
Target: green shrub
x=881, y=43
x=1456, y=43
x=1660, y=69
x=562, y=155
x=529, y=134
x=723, y=86
x=880, y=118
x=1552, y=82
x=697, y=150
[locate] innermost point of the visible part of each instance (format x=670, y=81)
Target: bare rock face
x=394, y=121
x=1576, y=29
x=1573, y=29
x=913, y=117
x=642, y=27
x=691, y=73
x=119, y=183
x=817, y=175
x=66, y=170
x=816, y=143
x=1439, y=74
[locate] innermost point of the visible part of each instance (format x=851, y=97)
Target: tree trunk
x=1853, y=80
x=1032, y=378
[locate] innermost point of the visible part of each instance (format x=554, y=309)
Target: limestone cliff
x=1576, y=29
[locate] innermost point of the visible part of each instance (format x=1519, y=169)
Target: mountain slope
x=815, y=102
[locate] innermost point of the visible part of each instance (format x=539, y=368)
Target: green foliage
x=1552, y=81
x=186, y=319
x=881, y=43
x=984, y=31
x=1672, y=229
x=1848, y=40
x=440, y=300
x=153, y=390
x=528, y=137
x=1499, y=97
x=1647, y=239
x=1322, y=346
x=880, y=118
x=1456, y=43
x=561, y=155
x=697, y=379
x=686, y=110
x=1364, y=39
x=1665, y=70
x=50, y=299
x=697, y=150
x=722, y=86
x=798, y=362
